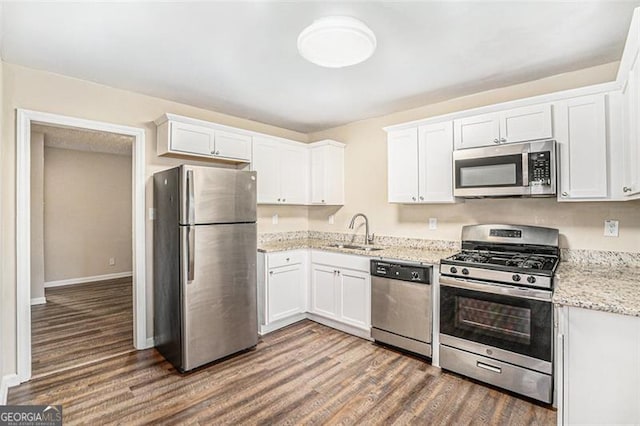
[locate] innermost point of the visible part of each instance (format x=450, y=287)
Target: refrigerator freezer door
x=219, y=303
x=214, y=195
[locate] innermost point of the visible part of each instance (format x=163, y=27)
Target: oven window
x=515, y=324
x=506, y=322
x=499, y=174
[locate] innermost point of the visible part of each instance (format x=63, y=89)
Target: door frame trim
x=23, y=226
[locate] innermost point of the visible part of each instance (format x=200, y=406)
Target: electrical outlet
x=332, y=219
x=610, y=228
x=433, y=223
x=112, y=261
x=274, y=219
x=152, y=213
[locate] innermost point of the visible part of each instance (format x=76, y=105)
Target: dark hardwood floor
x=81, y=323
x=304, y=374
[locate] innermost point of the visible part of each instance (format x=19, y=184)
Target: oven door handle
x=493, y=288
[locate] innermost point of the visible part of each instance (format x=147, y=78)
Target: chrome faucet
x=368, y=239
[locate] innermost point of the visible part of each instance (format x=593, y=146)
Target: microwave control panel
x=540, y=168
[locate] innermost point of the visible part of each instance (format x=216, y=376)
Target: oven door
x=512, y=319
x=491, y=171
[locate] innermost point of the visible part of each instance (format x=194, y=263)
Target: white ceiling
x=84, y=140
x=240, y=57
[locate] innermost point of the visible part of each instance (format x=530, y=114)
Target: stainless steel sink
x=354, y=247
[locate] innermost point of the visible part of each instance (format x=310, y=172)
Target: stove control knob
x=515, y=277
x=465, y=271
x=531, y=279
x=414, y=275
x=453, y=270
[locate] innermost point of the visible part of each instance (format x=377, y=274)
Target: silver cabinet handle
x=489, y=367
x=287, y=259
x=322, y=201
x=421, y=198
x=565, y=194
x=270, y=272
x=213, y=153
x=191, y=237
x=626, y=189
x=278, y=199
x=496, y=140
x=413, y=198
x=503, y=139
x=284, y=199
x=217, y=152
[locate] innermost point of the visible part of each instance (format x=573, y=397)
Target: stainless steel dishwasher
x=401, y=307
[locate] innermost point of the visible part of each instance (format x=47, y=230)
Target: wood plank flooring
x=80, y=324
x=304, y=374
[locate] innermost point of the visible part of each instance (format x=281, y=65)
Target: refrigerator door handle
x=190, y=198
x=191, y=231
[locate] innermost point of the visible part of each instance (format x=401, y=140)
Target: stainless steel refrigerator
x=204, y=261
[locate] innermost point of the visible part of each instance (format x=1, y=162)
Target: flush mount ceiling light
x=336, y=42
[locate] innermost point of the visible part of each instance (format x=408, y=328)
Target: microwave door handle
x=525, y=169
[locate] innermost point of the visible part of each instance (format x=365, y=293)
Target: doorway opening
x=94, y=288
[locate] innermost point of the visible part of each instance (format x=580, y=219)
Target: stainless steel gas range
x=496, y=316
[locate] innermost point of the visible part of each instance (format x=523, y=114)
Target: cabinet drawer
x=337, y=260
x=284, y=258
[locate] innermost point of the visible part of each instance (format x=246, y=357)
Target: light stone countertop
x=598, y=287
x=409, y=254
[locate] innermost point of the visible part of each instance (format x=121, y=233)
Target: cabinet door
x=318, y=175
x=191, y=139
x=355, y=298
x=526, y=123
x=601, y=368
x=285, y=292
x=402, y=162
x=232, y=145
x=582, y=141
x=334, y=175
x=324, y=291
x=435, y=149
x=631, y=108
x=294, y=174
x=266, y=161
x=479, y=130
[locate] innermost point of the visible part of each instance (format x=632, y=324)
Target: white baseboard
x=83, y=280
x=38, y=301
x=7, y=381
x=150, y=343
x=276, y=325
x=350, y=329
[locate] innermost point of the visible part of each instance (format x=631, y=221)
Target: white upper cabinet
x=435, y=171
x=631, y=112
x=327, y=172
x=185, y=136
x=402, y=161
x=479, y=130
x=508, y=126
x=580, y=129
x=420, y=164
x=283, y=171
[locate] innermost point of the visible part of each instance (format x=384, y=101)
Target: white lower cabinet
x=341, y=289
x=282, y=288
x=597, y=367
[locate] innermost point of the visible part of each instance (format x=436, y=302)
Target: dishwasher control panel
x=401, y=271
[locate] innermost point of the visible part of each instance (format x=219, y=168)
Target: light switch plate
x=112, y=261
x=433, y=223
x=610, y=228
x=332, y=219
x=274, y=219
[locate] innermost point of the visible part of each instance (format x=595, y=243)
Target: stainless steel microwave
x=513, y=170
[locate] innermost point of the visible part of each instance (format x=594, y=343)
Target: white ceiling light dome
x=336, y=42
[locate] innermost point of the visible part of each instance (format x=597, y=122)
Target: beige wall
x=87, y=215
x=48, y=92
x=581, y=224
x=37, y=215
